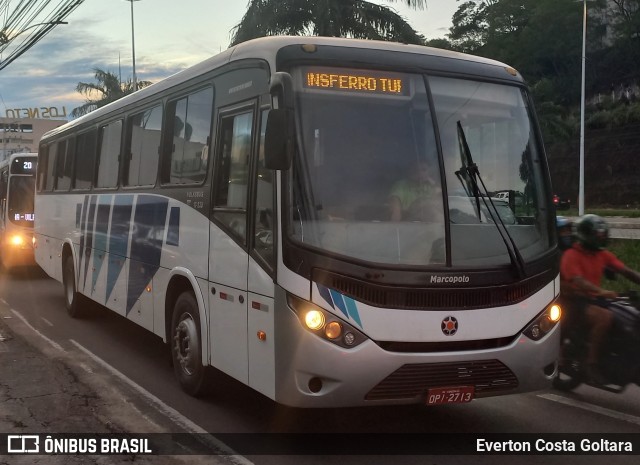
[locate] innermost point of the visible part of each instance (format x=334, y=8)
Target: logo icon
x=449, y=326
x=23, y=444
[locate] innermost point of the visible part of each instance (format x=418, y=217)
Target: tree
x=105, y=90
x=330, y=18
x=627, y=17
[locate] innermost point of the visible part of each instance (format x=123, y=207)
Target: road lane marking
x=53, y=343
x=170, y=412
x=4, y=302
x=592, y=408
x=47, y=321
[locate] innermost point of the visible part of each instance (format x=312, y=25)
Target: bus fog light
x=314, y=320
x=349, y=338
x=315, y=385
x=16, y=240
x=555, y=312
x=535, y=332
x=333, y=330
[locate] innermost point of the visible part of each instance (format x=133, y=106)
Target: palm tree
x=106, y=89
x=332, y=18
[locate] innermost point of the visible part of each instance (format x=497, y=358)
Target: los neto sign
x=37, y=112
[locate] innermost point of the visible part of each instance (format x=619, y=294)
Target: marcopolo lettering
x=449, y=279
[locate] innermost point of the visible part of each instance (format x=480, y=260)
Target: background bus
x=241, y=211
x=17, y=188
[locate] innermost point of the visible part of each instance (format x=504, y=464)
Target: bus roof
x=267, y=48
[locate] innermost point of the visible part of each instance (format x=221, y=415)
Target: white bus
x=17, y=189
x=243, y=211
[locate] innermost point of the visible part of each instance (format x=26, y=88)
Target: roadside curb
x=44, y=390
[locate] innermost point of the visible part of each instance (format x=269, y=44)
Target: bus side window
x=64, y=164
x=144, y=147
x=50, y=182
x=41, y=173
x=233, y=172
x=85, y=159
x=264, y=212
x=108, y=156
x=186, y=149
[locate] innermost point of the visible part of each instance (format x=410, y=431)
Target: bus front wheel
x=186, y=345
x=71, y=297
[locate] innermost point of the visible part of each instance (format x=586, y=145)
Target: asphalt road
x=128, y=355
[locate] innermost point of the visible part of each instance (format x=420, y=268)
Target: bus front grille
x=413, y=380
x=404, y=298
x=446, y=346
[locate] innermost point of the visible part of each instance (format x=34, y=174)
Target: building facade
x=21, y=133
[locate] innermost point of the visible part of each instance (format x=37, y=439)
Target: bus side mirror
x=278, y=140
x=280, y=134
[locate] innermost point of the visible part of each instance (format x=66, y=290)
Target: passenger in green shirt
x=411, y=199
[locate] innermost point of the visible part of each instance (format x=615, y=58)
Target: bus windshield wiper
x=469, y=170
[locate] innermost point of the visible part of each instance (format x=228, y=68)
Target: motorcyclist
x=564, y=227
x=581, y=270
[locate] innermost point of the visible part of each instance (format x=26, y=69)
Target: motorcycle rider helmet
x=592, y=232
x=564, y=227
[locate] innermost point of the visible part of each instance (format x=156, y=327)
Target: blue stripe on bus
x=173, y=233
x=101, y=239
x=118, y=239
x=339, y=301
x=89, y=237
x=146, y=244
x=352, y=309
x=326, y=294
x=345, y=304
x=81, y=226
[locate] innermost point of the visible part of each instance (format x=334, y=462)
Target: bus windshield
x=20, y=200
x=380, y=161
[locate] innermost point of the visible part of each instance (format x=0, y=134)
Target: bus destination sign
x=358, y=81
x=24, y=165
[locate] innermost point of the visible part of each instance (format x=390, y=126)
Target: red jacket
x=589, y=264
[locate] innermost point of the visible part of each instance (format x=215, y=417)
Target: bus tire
x=186, y=345
x=71, y=296
x=567, y=379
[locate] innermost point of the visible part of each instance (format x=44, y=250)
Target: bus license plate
x=450, y=395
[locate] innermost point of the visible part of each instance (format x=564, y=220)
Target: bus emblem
x=449, y=326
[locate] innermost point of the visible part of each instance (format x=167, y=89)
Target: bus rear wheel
x=71, y=296
x=186, y=345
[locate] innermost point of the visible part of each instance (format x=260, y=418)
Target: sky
x=169, y=36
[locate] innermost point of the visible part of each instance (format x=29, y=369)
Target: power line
x=28, y=23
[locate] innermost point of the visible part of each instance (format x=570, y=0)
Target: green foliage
x=329, y=18
x=105, y=90
x=543, y=40
x=614, y=115
x=629, y=252
x=443, y=44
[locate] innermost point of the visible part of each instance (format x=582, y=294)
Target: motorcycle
x=620, y=363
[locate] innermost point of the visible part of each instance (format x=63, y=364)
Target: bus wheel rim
x=69, y=285
x=185, y=344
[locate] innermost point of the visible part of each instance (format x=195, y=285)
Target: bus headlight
x=544, y=322
x=325, y=324
x=17, y=240
x=314, y=320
